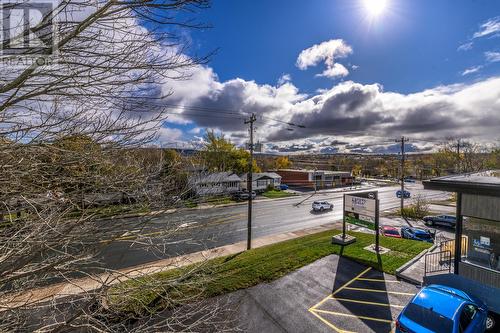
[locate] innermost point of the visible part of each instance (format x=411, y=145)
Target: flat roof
x=486, y=183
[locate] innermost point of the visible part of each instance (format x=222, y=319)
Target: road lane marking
x=352, y=316
x=379, y=291
x=378, y=280
x=366, y=302
x=338, y=330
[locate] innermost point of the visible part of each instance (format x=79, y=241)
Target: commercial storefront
x=476, y=264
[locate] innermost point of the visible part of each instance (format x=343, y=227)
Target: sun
x=375, y=7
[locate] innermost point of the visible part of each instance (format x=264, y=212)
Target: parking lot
x=369, y=302
x=333, y=294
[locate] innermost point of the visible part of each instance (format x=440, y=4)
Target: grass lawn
x=226, y=274
x=273, y=194
x=192, y=203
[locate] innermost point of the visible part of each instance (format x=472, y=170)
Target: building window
x=483, y=242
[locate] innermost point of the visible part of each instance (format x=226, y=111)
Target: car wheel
x=490, y=322
x=321, y=209
x=430, y=222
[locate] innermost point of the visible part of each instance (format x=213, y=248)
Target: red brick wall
x=295, y=178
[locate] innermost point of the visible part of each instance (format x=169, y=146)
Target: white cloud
x=492, y=26
x=337, y=70
x=326, y=52
x=196, y=130
x=471, y=70
x=284, y=79
x=492, y=56
x=465, y=46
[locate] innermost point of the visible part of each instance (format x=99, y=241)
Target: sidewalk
x=93, y=282
x=414, y=270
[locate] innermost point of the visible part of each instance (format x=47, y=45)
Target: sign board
x=361, y=209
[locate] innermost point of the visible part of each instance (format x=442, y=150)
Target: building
x=218, y=183
x=261, y=181
x=318, y=179
x=475, y=252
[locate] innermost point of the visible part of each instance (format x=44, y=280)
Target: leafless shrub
x=71, y=133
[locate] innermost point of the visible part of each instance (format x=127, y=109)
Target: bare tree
x=72, y=116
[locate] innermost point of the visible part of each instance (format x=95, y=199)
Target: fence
x=438, y=262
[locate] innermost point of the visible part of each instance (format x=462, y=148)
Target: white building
x=261, y=181
x=217, y=183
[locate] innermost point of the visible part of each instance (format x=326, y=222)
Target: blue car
x=283, y=187
x=438, y=308
x=406, y=194
x=417, y=234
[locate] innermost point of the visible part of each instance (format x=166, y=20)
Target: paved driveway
x=333, y=294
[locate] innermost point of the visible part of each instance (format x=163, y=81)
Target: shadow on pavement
x=360, y=298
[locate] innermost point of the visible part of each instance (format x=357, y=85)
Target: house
x=315, y=178
x=218, y=183
x=261, y=181
x=474, y=254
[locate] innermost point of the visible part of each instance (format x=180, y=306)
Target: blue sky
x=410, y=48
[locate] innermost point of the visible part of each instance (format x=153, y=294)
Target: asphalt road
x=199, y=229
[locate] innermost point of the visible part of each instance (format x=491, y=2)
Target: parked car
x=389, y=231
x=410, y=180
x=283, y=187
x=417, y=234
x=438, y=308
x=321, y=206
x=244, y=195
x=406, y=194
x=445, y=220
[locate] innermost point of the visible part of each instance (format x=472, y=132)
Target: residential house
x=218, y=183
x=261, y=181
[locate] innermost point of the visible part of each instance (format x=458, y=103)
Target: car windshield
x=315, y=203
x=427, y=318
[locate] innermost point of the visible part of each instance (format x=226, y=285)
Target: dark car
x=438, y=308
x=444, y=220
x=405, y=195
x=244, y=195
x=417, y=234
x=283, y=187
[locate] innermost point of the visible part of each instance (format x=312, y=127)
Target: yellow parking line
x=353, y=316
x=351, y=281
x=377, y=280
x=380, y=291
x=346, y=284
x=328, y=323
x=366, y=302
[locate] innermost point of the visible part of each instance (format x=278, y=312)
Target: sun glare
x=375, y=7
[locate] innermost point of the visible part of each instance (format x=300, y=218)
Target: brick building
x=319, y=178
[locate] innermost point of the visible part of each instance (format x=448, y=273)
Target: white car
x=321, y=206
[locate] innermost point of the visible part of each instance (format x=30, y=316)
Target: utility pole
x=250, y=121
x=458, y=156
x=402, y=140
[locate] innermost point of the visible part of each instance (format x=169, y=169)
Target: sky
x=357, y=74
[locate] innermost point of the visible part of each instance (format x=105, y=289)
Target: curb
x=86, y=284
x=401, y=269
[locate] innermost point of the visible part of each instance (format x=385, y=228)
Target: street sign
x=361, y=209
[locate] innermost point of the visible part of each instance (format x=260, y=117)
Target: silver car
x=319, y=206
